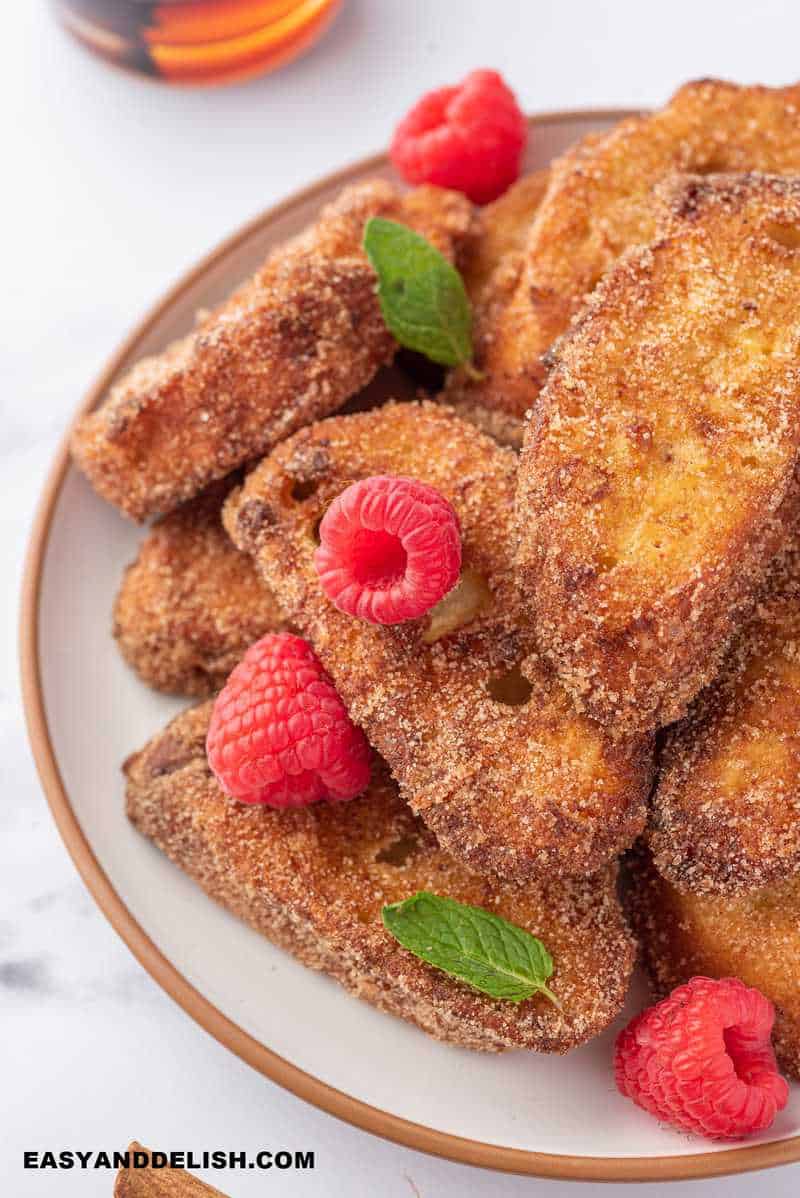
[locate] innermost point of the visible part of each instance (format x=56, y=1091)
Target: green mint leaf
x=422, y=297
x=471, y=944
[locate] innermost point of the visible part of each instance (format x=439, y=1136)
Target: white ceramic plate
x=87, y=712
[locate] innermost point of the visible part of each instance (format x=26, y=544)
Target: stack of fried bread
x=616, y=675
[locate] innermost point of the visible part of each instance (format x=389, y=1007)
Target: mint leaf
x=422, y=297
x=471, y=944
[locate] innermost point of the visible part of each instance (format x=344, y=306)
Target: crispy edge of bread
x=521, y=788
x=725, y=815
x=190, y=604
x=599, y=204
x=754, y=937
x=289, y=346
x=682, y=372
x=314, y=880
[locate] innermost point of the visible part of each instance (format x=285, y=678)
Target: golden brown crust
x=498, y=400
x=510, y=375
x=491, y=268
x=191, y=603
x=502, y=229
x=599, y=204
x=314, y=880
x=290, y=345
x=755, y=937
x=158, y=1182
x=492, y=281
x=522, y=790
x=726, y=811
x=656, y=481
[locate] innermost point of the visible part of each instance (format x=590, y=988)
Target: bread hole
x=750, y=462
x=314, y=530
x=468, y=598
x=786, y=235
x=397, y=852
x=303, y=488
x=512, y=688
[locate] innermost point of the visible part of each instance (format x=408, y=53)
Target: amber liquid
x=197, y=41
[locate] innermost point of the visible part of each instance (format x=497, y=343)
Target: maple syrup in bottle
x=197, y=41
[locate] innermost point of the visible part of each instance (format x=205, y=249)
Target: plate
x=550, y=1116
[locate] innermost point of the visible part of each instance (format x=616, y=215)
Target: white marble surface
x=112, y=187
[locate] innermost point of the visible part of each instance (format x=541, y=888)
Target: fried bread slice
x=289, y=346
x=484, y=742
x=755, y=937
x=191, y=603
x=725, y=814
x=502, y=229
x=314, y=880
x=599, y=203
x=491, y=269
x=494, y=266
x=657, y=478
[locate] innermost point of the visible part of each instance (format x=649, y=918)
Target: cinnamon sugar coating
x=314, y=881
x=657, y=477
x=498, y=400
x=491, y=267
x=501, y=229
x=754, y=937
x=599, y=204
x=502, y=770
x=289, y=346
x=191, y=603
x=726, y=811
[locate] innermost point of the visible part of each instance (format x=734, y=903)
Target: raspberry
x=390, y=549
x=469, y=138
x=279, y=733
x=702, y=1059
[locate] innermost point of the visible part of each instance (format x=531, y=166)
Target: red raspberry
x=390, y=549
x=280, y=734
x=702, y=1059
x=469, y=138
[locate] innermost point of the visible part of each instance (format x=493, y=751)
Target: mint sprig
x=469, y=943
x=422, y=296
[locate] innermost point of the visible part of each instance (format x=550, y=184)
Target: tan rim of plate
x=304, y=1085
